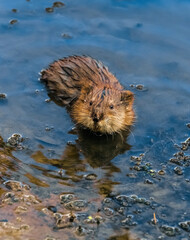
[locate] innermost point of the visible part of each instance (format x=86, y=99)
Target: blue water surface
x=142, y=42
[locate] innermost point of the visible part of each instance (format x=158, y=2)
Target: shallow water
x=142, y=42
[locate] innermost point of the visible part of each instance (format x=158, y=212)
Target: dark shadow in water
x=96, y=151
x=100, y=150
x=126, y=236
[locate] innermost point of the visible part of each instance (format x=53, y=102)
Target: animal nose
x=95, y=119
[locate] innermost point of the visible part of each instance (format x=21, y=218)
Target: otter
x=92, y=95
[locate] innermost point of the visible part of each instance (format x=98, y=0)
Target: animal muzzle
x=96, y=117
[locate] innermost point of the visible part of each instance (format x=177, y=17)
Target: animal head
x=104, y=110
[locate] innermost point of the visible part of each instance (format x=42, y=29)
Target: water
x=142, y=42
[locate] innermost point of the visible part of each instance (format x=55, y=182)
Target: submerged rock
x=15, y=140
x=58, y=4
x=3, y=95
x=76, y=205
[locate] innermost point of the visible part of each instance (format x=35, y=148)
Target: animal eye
x=111, y=106
x=90, y=103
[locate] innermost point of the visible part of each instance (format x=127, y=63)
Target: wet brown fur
x=93, y=96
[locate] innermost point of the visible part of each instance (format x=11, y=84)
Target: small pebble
x=139, y=87
x=47, y=100
x=148, y=181
x=161, y=172
x=108, y=211
x=58, y=4
x=91, y=176
x=170, y=231
x=15, y=140
x=65, y=198
x=66, y=36
x=49, y=10
x=80, y=231
x=13, y=21
x=50, y=238
x=76, y=205
x=3, y=95
x=178, y=171
x=52, y=209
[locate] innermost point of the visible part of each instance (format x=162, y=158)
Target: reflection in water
x=100, y=150
x=96, y=151
x=8, y=162
x=126, y=236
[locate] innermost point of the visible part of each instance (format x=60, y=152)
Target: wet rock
x=29, y=199
x=58, y=4
x=138, y=168
x=90, y=220
x=141, y=200
x=108, y=211
x=145, y=168
x=188, y=125
x=15, y=140
x=185, y=145
x=170, y=231
x=13, y=21
x=50, y=238
x=99, y=219
x=161, y=172
x=47, y=212
x=107, y=200
x=10, y=198
x=131, y=175
x=48, y=100
x=91, y=176
x=121, y=210
x=21, y=209
x=161, y=238
x=37, y=91
x=181, y=159
x=148, y=181
x=52, y=209
x=137, y=158
x=139, y=87
x=76, y=205
x=64, y=220
x=3, y=95
x=14, y=10
x=48, y=129
x=178, y=171
x=8, y=227
x=49, y=9
x=126, y=200
x=131, y=200
x=128, y=221
x=93, y=220
x=66, y=36
x=16, y=186
x=185, y=226
x=65, y=198
x=80, y=231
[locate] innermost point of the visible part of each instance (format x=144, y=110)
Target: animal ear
x=84, y=92
x=86, y=89
x=127, y=97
